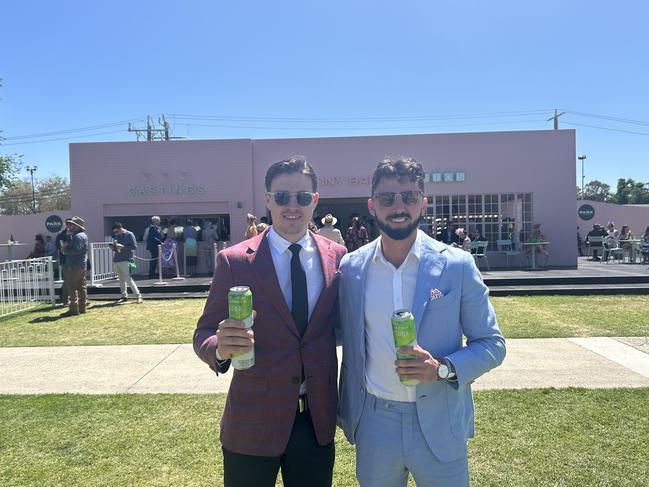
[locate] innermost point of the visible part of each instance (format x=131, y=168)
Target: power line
x=230, y=118
x=64, y=138
x=50, y=192
x=611, y=118
x=502, y=122
x=605, y=128
x=321, y=123
x=68, y=131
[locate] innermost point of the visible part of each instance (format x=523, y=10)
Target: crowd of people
x=356, y=235
x=609, y=241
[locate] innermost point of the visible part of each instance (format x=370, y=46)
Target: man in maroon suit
x=281, y=413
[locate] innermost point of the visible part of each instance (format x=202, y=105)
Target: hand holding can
x=240, y=308
x=234, y=338
x=405, y=338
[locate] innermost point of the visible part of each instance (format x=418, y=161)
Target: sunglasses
x=407, y=198
x=283, y=198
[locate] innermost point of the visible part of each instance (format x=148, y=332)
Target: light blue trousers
x=389, y=444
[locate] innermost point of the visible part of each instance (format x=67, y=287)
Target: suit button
x=295, y=380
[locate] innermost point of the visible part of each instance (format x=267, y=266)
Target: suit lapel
x=431, y=264
x=328, y=264
x=364, y=256
x=264, y=273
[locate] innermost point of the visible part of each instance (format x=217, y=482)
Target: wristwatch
x=445, y=370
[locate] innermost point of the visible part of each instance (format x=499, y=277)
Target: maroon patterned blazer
x=262, y=401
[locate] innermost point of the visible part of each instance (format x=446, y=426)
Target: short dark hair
x=117, y=225
x=405, y=168
x=293, y=164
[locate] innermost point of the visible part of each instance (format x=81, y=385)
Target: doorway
x=344, y=209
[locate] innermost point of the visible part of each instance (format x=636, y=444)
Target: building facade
x=498, y=183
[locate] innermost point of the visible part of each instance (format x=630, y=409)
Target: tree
x=632, y=192
x=51, y=194
x=54, y=194
x=597, y=191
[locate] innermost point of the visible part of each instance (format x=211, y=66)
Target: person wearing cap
x=76, y=257
x=328, y=230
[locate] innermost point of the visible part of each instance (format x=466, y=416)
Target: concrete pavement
x=144, y=369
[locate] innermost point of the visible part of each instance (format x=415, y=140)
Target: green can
x=405, y=335
x=240, y=308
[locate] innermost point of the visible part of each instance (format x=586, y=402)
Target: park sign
x=586, y=212
x=54, y=224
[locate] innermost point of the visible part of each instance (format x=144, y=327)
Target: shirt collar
x=414, y=252
x=281, y=245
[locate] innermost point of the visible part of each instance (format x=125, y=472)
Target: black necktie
x=299, y=299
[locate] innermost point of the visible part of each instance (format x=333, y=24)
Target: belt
x=302, y=405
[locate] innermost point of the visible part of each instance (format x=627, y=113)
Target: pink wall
x=103, y=177
x=539, y=162
x=636, y=216
x=24, y=228
x=107, y=178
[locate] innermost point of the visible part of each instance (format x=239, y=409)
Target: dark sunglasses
x=407, y=197
x=283, y=198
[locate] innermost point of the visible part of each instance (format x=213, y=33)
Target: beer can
x=405, y=335
x=240, y=308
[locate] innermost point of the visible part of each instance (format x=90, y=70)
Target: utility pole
x=152, y=133
x=165, y=128
x=555, y=117
x=582, y=158
x=32, y=170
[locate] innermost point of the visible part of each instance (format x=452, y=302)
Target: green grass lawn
x=105, y=323
x=569, y=437
x=572, y=316
x=173, y=321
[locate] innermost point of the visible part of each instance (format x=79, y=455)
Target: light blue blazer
x=445, y=409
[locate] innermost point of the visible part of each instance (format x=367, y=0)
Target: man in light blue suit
x=422, y=429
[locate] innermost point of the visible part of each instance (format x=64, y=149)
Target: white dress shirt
x=387, y=290
x=310, y=260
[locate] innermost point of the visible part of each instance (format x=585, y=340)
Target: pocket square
x=436, y=294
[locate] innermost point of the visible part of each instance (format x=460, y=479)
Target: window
x=496, y=216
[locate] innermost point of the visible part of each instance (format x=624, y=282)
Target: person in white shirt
x=328, y=230
x=398, y=429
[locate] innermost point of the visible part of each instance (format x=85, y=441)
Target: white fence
x=25, y=284
x=101, y=260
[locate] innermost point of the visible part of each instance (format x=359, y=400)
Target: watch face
x=442, y=371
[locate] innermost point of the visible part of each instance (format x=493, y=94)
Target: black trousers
x=153, y=264
x=304, y=463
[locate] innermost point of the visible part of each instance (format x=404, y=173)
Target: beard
x=398, y=233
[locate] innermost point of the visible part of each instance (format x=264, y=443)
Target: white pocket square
x=436, y=294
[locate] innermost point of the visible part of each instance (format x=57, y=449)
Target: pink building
x=591, y=212
x=498, y=183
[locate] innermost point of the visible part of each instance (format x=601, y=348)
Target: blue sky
x=262, y=69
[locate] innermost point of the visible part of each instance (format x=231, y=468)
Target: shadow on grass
x=111, y=304
x=47, y=319
x=52, y=318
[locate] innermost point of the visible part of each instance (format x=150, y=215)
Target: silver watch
x=445, y=370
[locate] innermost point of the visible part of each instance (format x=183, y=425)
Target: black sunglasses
x=407, y=197
x=283, y=198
